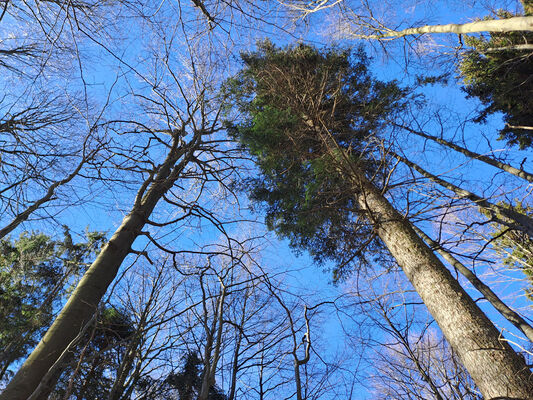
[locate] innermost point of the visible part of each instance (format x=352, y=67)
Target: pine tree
x=313, y=122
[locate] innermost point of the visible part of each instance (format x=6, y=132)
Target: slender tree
x=500, y=213
x=365, y=25
x=490, y=160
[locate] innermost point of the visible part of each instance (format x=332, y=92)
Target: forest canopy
x=301, y=200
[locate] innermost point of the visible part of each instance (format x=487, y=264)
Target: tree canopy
x=132, y=117
x=315, y=128
x=282, y=93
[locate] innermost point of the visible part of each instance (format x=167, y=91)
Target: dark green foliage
x=502, y=80
x=305, y=111
x=91, y=368
x=34, y=276
x=187, y=382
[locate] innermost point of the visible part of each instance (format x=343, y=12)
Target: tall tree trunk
x=236, y=350
x=132, y=349
x=49, y=380
x=93, y=285
x=495, y=367
x=125, y=366
x=213, y=346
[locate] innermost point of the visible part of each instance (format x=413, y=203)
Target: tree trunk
x=503, y=215
x=125, y=367
x=49, y=380
x=213, y=346
x=236, y=351
x=84, y=300
x=491, y=25
x=497, y=370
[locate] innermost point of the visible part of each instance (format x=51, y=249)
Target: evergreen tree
x=188, y=382
x=306, y=197
x=498, y=71
x=34, y=276
x=312, y=124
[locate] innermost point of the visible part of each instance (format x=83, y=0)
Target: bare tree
x=189, y=132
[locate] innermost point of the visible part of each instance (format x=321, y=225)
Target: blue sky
x=125, y=69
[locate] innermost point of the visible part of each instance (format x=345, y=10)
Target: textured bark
x=84, y=300
x=497, y=370
x=511, y=316
x=492, y=25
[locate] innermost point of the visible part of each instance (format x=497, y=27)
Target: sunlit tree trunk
x=495, y=367
x=511, y=316
x=84, y=300
x=503, y=215
x=476, y=156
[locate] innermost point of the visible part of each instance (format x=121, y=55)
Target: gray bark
x=486, y=159
x=84, y=300
x=503, y=215
x=497, y=370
